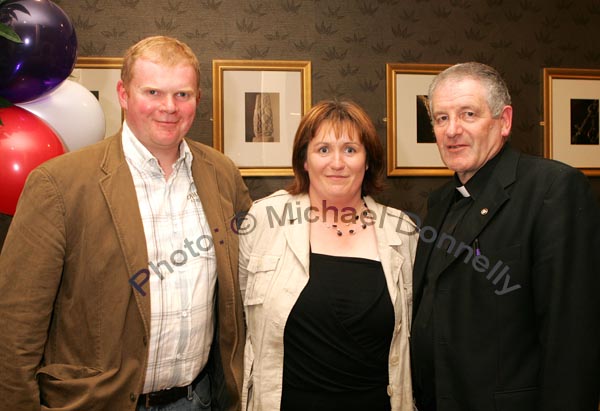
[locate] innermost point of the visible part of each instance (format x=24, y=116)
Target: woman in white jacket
x=326, y=278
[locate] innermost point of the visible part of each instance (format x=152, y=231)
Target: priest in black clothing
x=506, y=283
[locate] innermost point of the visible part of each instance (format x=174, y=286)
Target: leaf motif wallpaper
x=350, y=41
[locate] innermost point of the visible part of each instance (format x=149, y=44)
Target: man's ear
x=122, y=94
x=506, y=118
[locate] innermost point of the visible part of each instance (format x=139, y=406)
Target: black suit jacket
x=517, y=328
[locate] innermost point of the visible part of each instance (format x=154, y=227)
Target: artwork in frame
x=100, y=75
x=411, y=148
x=257, y=107
x=571, y=117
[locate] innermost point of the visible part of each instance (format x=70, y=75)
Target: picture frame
x=411, y=147
x=257, y=107
x=571, y=117
x=100, y=75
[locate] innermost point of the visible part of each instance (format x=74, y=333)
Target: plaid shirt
x=182, y=266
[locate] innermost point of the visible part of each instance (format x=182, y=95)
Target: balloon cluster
x=51, y=114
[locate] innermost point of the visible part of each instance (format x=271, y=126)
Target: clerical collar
x=463, y=190
x=476, y=184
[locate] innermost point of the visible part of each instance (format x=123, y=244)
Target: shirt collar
x=142, y=158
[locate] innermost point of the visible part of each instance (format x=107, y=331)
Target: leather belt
x=168, y=396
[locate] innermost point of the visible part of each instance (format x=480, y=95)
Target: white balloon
x=73, y=112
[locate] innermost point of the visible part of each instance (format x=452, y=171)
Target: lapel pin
x=484, y=211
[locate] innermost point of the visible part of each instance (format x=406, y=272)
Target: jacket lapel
x=119, y=193
x=488, y=203
x=388, y=244
x=481, y=213
x=297, y=230
x=205, y=180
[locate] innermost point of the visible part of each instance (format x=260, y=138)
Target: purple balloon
x=44, y=59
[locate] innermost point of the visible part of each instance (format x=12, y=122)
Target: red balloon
x=25, y=142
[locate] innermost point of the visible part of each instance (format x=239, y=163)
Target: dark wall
x=350, y=41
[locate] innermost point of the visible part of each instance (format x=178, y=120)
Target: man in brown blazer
x=119, y=271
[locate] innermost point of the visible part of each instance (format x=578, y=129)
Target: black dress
x=337, y=338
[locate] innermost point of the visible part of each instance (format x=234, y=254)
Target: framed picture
x=571, y=117
x=100, y=76
x=257, y=107
x=410, y=140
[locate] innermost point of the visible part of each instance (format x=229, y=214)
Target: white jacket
x=274, y=269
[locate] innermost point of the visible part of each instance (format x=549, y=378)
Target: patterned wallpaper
x=350, y=41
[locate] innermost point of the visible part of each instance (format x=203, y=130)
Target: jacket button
x=145, y=340
x=132, y=397
x=390, y=391
x=394, y=360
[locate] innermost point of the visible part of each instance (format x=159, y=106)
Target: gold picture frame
x=411, y=148
x=571, y=117
x=257, y=106
x=100, y=76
